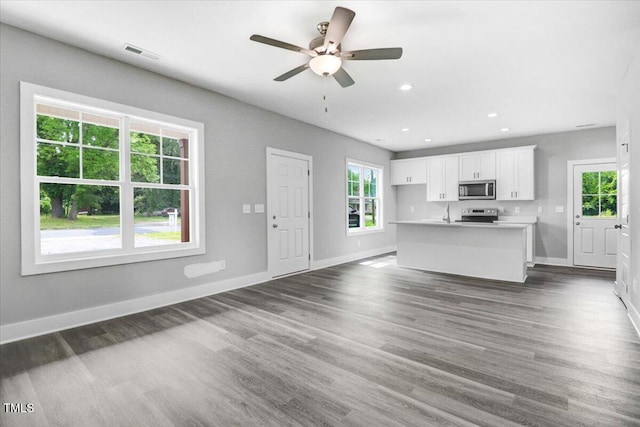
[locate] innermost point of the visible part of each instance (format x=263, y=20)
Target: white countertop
x=441, y=223
x=518, y=219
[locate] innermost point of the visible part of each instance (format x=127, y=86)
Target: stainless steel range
x=479, y=215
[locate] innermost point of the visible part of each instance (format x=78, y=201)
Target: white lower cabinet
x=530, y=222
x=442, y=179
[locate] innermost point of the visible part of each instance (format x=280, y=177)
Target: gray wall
x=236, y=137
x=551, y=156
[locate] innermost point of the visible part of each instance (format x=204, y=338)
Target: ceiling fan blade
x=343, y=78
x=338, y=26
x=291, y=73
x=373, y=54
x=283, y=45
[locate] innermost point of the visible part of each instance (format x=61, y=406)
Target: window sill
x=351, y=232
x=100, y=259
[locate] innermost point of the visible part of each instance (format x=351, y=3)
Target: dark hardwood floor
x=365, y=343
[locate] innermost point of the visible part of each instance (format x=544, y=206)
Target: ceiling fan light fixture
x=325, y=65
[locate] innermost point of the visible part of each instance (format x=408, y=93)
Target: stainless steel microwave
x=477, y=190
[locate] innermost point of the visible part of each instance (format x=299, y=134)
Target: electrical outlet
x=246, y=208
x=412, y=209
x=559, y=209
x=223, y=264
x=501, y=209
x=539, y=209
x=517, y=210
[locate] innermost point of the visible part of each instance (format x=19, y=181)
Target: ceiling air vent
x=139, y=51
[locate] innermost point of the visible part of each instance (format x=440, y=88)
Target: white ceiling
x=542, y=66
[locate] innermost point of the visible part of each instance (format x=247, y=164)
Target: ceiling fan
x=326, y=56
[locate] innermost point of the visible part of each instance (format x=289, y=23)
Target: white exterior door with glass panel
x=595, y=208
x=288, y=212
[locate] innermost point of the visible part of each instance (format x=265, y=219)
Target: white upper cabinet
x=477, y=166
x=410, y=171
x=442, y=179
x=515, y=174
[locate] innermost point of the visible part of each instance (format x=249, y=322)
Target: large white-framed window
x=364, y=197
x=105, y=183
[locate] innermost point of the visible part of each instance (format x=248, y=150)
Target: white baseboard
x=634, y=315
x=564, y=262
x=44, y=325
x=328, y=262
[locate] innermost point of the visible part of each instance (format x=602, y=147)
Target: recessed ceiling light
x=405, y=129
x=406, y=86
x=427, y=140
x=505, y=130
x=492, y=115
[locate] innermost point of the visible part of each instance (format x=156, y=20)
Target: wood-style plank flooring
x=365, y=343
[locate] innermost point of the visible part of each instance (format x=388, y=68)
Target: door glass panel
x=590, y=206
x=599, y=194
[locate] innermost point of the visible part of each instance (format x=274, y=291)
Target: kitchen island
x=485, y=250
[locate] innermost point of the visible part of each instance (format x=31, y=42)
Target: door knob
x=577, y=222
x=275, y=225
x=577, y=216
x=617, y=226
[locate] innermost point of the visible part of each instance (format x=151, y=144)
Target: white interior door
x=623, y=269
x=288, y=219
x=595, y=207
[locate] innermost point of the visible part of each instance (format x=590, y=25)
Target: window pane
x=159, y=218
x=353, y=180
x=590, y=183
x=608, y=182
x=354, y=213
x=369, y=182
x=609, y=206
x=58, y=129
x=145, y=143
x=145, y=168
x=100, y=136
x=58, y=160
x=171, y=171
x=171, y=147
x=79, y=218
x=590, y=206
x=371, y=213
x=100, y=164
